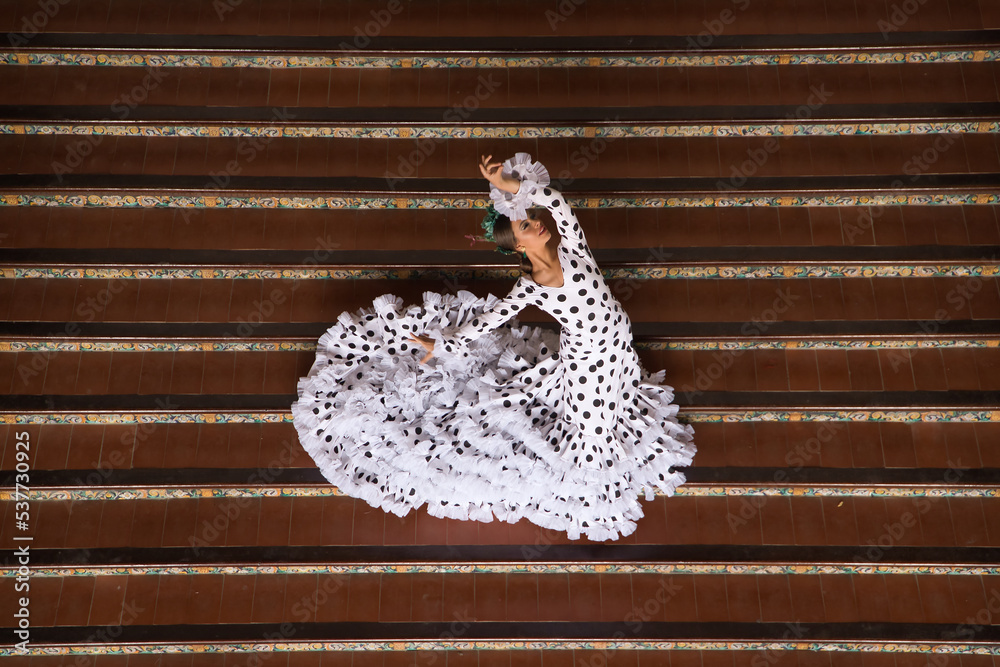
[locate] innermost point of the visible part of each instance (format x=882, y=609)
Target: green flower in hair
x=492, y=215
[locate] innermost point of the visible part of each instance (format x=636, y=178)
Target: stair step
x=400, y=600
x=249, y=301
x=221, y=163
x=458, y=89
x=521, y=45
x=437, y=229
x=301, y=516
x=103, y=447
x=358, y=23
x=690, y=372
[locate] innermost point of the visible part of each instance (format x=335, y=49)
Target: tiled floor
x=114, y=486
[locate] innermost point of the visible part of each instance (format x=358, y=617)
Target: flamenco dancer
x=452, y=405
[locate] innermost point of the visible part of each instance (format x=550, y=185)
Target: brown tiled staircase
x=796, y=202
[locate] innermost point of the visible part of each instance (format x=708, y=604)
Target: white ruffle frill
x=531, y=174
x=463, y=434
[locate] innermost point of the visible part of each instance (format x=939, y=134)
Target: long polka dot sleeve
x=566, y=222
x=489, y=319
x=510, y=422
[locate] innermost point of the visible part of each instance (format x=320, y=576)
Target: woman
x=498, y=421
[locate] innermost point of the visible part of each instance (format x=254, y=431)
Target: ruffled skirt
x=476, y=435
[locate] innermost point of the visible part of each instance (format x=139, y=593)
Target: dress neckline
x=562, y=270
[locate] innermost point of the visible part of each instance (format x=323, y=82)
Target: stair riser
x=799, y=520
x=465, y=90
x=355, y=23
x=387, y=598
x=98, y=450
x=245, y=302
x=692, y=373
x=729, y=160
x=446, y=229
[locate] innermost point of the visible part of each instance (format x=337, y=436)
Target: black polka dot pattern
x=505, y=421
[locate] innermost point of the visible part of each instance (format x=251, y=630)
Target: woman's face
x=530, y=234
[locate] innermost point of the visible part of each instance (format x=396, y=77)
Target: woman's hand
x=428, y=344
x=493, y=172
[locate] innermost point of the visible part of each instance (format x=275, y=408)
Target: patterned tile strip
x=222, y=59
x=53, y=346
x=800, y=129
x=694, y=416
x=292, y=646
x=697, y=271
x=40, y=494
x=513, y=568
x=319, y=202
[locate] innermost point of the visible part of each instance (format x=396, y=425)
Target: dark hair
x=503, y=234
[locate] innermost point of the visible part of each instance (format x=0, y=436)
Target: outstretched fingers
x=427, y=343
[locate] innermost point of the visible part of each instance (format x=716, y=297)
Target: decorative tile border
x=54, y=346
x=318, y=202
x=698, y=271
x=818, y=344
x=798, y=129
x=291, y=646
x=74, y=494
x=860, y=415
x=512, y=568
x=224, y=59
x=694, y=416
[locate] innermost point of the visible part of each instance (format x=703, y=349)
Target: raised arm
x=566, y=222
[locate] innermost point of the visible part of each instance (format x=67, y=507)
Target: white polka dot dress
x=505, y=422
